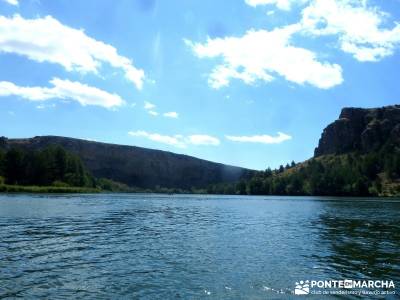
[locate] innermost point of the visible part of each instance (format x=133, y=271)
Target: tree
x=241, y=188
x=60, y=158
x=255, y=186
x=52, y=165
x=13, y=166
x=268, y=172
x=2, y=157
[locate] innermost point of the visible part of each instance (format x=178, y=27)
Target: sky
x=250, y=83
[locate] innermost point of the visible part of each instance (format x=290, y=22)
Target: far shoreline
x=54, y=190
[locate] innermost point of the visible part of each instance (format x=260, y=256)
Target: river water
x=139, y=246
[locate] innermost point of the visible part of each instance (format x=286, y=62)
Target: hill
x=357, y=155
x=136, y=166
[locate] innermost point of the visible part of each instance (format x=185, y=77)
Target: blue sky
x=250, y=83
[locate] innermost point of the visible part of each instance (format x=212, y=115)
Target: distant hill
x=136, y=166
x=357, y=155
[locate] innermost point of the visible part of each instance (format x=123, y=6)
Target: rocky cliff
x=136, y=166
x=362, y=130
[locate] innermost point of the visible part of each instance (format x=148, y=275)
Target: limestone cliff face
x=138, y=166
x=359, y=129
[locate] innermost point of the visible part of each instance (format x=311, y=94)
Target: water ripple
x=190, y=247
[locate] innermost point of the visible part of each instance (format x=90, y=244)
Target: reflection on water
x=180, y=247
x=362, y=248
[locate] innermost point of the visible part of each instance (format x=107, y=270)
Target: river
x=138, y=246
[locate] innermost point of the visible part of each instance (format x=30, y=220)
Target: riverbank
x=5, y=188
x=109, y=188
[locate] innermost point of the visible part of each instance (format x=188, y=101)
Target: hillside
x=357, y=155
x=136, y=166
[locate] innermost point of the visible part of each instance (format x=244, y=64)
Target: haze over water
x=191, y=247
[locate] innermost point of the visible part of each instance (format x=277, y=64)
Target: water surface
x=191, y=247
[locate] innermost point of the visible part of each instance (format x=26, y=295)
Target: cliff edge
x=362, y=130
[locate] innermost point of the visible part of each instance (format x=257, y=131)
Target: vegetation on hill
x=138, y=167
x=357, y=155
x=52, y=166
x=55, y=170
x=352, y=174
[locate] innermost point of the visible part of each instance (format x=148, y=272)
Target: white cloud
x=357, y=25
x=281, y=4
x=63, y=89
x=177, y=140
x=171, y=114
x=264, y=139
x=153, y=113
x=150, y=108
x=12, y=2
x=47, y=40
x=202, y=139
x=262, y=54
x=148, y=105
x=44, y=106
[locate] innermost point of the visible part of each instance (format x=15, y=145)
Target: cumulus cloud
x=12, y=2
x=202, y=139
x=281, y=4
x=148, y=105
x=63, y=89
x=263, y=139
x=261, y=55
x=359, y=27
x=361, y=30
x=153, y=113
x=150, y=108
x=44, y=106
x=177, y=140
x=171, y=114
x=47, y=40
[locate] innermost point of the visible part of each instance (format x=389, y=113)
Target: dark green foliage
x=2, y=154
x=112, y=186
x=4, y=188
x=50, y=166
x=255, y=186
x=268, y=172
x=135, y=166
x=241, y=187
x=351, y=174
x=14, y=169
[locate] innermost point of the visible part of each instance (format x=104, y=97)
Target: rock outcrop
x=136, y=166
x=362, y=130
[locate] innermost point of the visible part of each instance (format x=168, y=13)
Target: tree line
x=352, y=174
x=51, y=166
